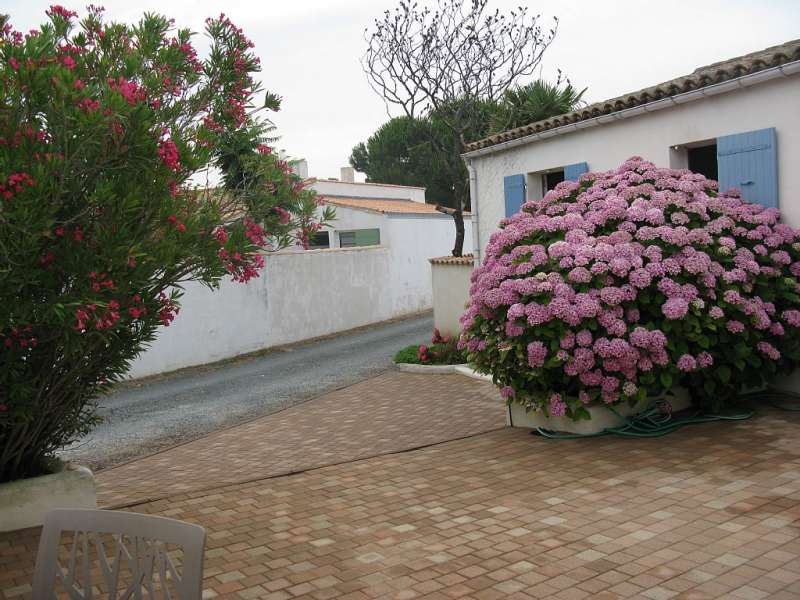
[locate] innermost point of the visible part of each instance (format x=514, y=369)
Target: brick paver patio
x=712, y=511
x=389, y=413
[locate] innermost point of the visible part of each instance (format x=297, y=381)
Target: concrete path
x=141, y=418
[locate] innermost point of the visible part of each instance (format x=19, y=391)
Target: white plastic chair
x=138, y=545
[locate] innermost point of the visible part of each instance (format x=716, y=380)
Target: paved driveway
x=161, y=412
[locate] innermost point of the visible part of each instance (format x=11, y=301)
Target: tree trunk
x=458, y=247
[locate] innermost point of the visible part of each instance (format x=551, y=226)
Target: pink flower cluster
x=168, y=152
x=613, y=280
x=132, y=93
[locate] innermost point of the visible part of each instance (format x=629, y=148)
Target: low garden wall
x=299, y=295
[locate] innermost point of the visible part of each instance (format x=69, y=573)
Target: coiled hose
x=658, y=420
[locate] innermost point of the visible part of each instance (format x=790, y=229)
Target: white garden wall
x=412, y=241
x=298, y=296
x=307, y=294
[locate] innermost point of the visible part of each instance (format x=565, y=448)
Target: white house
x=736, y=121
x=395, y=217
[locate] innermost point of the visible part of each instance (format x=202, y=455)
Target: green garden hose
x=658, y=420
x=653, y=422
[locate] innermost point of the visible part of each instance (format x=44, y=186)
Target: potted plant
x=627, y=284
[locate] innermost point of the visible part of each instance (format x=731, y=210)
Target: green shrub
x=443, y=350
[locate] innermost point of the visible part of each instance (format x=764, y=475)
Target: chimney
x=347, y=174
x=300, y=167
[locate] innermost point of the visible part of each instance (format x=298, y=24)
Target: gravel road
x=143, y=417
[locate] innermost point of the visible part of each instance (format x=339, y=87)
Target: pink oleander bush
x=620, y=286
x=109, y=133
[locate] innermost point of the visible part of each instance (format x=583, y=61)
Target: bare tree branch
x=448, y=61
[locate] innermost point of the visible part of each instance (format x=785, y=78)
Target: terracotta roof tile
x=312, y=180
x=385, y=206
x=467, y=259
x=702, y=77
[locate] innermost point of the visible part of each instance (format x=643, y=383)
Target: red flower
x=78, y=85
x=89, y=105
x=57, y=9
x=12, y=62
x=47, y=259
x=168, y=152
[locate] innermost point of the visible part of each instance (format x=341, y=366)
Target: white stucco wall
x=298, y=296
x=450, y=294
x=302, y=295
x=412, y=241
x=771, y=104
x=368, y=190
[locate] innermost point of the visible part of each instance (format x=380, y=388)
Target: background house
x=736, y=121
x=396, y=217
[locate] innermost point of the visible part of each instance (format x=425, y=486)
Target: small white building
x=393, y=216
x=736, y=121
x=369, y=213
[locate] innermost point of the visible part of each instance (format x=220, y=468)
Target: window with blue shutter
x=749, y=161
x=572, y=172
x=514, y=189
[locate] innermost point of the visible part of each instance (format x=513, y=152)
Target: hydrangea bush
x=627, y=283
x=103, y=127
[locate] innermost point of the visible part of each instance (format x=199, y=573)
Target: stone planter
x=602, y=418
x=450, y=278
x=25, y=502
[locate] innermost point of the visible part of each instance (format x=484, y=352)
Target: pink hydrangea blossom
x=537, y=352
x=624, y=276
x=687, y=362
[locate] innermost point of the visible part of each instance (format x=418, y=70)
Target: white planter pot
x=25, y=502
x=602, y=418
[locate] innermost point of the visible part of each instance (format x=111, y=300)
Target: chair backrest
x=138, y=548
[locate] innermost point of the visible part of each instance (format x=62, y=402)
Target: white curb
x=459, y=369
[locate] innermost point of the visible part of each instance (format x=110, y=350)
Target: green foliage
x=400, y=152
x=102, y=128
x=408, y=355
x=533, y=102
x=443, y=350
x=422, y=151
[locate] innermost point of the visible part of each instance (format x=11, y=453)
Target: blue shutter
x=514, y=188
x=572, y=172
x=749, y=161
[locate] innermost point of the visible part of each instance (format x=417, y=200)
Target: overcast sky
x=310, y=51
